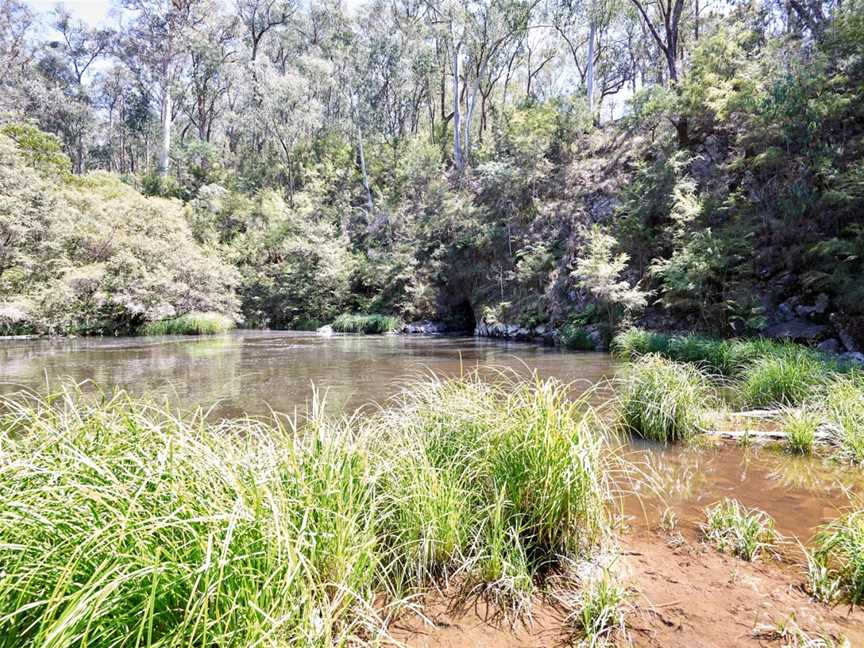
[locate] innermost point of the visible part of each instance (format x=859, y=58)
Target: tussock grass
x=837, y=563
x=663, y=401
x=368, y=324
x=844, y=412
x=600, y=610
x=190, y=324
x=800, y=427
x=124, y=524
x=730, y=358
x=635, y=342
x=786, y=379
x=746, y=533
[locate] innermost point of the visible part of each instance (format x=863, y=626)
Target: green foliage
x=145, y=527
x=576, y=338
x=368, y=324
x=838, y=559
x=39, y=150
x=598, y=271
x=661, y=400
x=746, y=533
x=92, y=255
x=190, y=324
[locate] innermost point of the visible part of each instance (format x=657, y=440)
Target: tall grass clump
x=844, y=411
x=635, y=342
x=800, y=427
x=838, y=558
x=663, y=401
x=190, y=324
x=501, y=479
x=746, y=533
x=784, y=379
x=123, y=524
x=368, y=324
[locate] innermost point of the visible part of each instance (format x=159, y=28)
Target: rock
x=843, y=333
x=596, y=337
x=818, y=308
x=785, y=311
x=426, y=327
x=829, y=346
x=854, y=356
x=797, y=330
x=325, y=330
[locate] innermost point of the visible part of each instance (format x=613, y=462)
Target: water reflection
x=250, y=372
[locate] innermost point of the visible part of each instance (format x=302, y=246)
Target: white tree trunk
x=457, y=116
x=165, y=147
x=363, y=169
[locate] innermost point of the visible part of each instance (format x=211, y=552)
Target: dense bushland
x=724, y=195
x=126, y=524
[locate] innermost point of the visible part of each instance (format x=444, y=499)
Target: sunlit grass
x=662, y=400
x=190, y=324
x=635, y=342
x=800, y=426
x=732, y=528
x=598, y=611
x=786, y=379
x=124, y=524
x=368, y=324
x=844, y=411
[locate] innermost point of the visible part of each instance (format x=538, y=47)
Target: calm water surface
x=254, y=372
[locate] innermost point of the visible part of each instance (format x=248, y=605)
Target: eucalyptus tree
x=155, y=48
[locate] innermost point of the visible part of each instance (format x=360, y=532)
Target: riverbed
x=259, y=372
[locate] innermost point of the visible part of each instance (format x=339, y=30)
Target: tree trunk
x=457, y=115
x=589, y=67
x=369, y=201
x=165, y=147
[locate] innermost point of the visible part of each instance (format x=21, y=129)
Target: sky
x=93, y=12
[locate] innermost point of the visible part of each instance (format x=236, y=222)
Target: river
x=256, y=372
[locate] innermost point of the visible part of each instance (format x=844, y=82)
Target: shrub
x=662, y=400
x=839, y=558
x=800, y=427
x=784, y=379
x=190, y=324
x=733, y=528
x=368, y=324
x=576, y=338
x=125, y=523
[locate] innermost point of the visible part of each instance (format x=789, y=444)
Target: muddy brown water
x=256, y=372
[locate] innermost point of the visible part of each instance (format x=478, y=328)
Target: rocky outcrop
x=430, y=327
x=541, y=333
x=798, y=330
